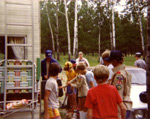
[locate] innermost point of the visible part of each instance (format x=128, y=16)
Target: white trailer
x=20, y=21
x=19, y=42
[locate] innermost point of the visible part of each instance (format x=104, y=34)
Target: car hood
x=135, y=92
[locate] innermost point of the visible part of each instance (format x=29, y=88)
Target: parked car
x=139, y=108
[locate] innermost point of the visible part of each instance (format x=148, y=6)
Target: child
x=103, y=99
x=51, y=103
x=73, y=63
x=71, y=92
x=80, y=83
x=88, y=74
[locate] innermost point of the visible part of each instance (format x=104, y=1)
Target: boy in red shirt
x=103, y=99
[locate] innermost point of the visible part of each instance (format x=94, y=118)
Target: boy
x=80, y=83
x=88, y=74
x=121, y=79
x=51, y=103
x=103, y=99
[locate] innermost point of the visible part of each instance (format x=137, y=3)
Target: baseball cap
x=116, y=55
x=106, y=58
x=68, y=65
x=73, y=61
x=48, y=54
x=138, y=54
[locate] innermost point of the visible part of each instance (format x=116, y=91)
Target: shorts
x=53, y=113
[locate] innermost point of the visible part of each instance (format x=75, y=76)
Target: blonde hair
x=101, y=73
x=106, y=54
x=80, y=53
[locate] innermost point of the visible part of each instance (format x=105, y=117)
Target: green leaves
x=91, y=16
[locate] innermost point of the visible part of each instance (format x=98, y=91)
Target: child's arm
x=77, y=82
x=89, y=114
x=123, y=110
x=91, y=84
x=47, y=94
x=68, y=83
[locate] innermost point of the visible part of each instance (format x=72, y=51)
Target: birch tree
x=148, y=59
x=113, y=28
x=68, y=31
x=75, y=43
x=99, y=19
x=137, y=8
x=110, y=10
x=50, y=27
x=140, y=14
x=57, y=30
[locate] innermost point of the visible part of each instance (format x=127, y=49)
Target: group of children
x=86, y=90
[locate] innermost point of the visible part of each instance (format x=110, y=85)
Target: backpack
x=60, y=94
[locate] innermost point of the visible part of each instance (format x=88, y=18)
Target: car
x=139, y=108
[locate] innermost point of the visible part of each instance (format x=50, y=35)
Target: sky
x=121, y=6
x=118, y=8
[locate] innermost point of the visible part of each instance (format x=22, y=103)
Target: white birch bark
x=141, y=33
x=110, y=25
x=75, y=44
x=113, y=28
x=141, y=30
x=68, y=31
x=51, y=31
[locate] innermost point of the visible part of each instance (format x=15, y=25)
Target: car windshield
x=138, y=76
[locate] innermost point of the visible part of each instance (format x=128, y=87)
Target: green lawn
x=129, y=60
x=94, y=60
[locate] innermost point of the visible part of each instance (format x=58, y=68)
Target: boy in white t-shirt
x=51, y=102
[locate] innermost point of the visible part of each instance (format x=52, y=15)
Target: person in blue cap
x=45, y=63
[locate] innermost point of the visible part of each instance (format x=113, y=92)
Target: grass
x=93, y=60
x=2, y=56
x=129, y=60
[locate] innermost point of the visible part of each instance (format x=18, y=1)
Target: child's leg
x=72, y=101
x=85, y=115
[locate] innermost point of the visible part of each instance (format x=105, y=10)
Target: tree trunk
x=68, y=31
x=75, y=44
x=110, y=26
x=51, y=31
x=99, y=41
x=111, y=40
x=57, y=31
x=113, y=28
x=148, y=59
x=142, y=36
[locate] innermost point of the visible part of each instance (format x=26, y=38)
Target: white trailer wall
x=22, y=15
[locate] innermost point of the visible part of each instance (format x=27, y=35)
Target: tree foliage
x=89, y=16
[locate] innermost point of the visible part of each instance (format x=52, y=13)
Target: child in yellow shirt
x=71, y=92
